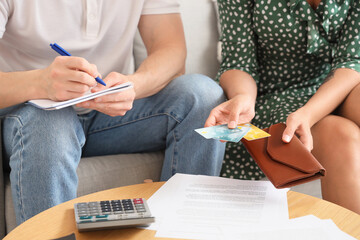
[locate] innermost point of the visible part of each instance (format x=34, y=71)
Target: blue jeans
x=44, y=147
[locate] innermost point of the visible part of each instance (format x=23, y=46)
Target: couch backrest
x=201, y=33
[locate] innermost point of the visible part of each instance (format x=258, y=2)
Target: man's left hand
x=116, y=104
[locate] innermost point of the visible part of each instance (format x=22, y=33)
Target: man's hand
x=116, y=104
x=68, y=77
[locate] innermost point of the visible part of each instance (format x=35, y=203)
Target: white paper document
x=47, y=104
x=302, y=228
x=196, y=207
x=204, y=207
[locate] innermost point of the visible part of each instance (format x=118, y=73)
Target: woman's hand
x=239, y=109
x=298, y=123
x=116, y=104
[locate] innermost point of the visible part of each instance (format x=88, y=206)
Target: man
x=160, y=112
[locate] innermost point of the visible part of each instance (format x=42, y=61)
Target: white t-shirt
x=101, y=31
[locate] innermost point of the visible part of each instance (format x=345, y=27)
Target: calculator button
x=114, y=217
x=118, y=212
x=132, y=215
x=86, y=217
x=86, y=221
x=138, y=201
x=93, y=204
x=83, y=214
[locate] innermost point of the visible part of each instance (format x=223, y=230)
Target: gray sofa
x=100, y=173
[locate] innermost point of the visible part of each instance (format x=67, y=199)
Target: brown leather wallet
x=284, y=164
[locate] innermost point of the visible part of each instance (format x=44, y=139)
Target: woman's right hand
x=237, y=110
x=67, y=78
x=298, y=123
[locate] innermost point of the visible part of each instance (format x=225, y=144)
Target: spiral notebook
x=47, y=104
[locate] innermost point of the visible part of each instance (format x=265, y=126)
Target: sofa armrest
x=2, y=190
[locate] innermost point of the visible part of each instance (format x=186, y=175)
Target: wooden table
x=59, y=221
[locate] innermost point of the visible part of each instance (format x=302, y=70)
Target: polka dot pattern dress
x=289, y=48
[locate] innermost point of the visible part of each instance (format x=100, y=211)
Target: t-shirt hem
x=150, y=11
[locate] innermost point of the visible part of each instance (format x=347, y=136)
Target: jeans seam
x=173, y=160
x=19, y=190
x=139, y=119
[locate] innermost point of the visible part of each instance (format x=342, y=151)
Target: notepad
x=47, y=104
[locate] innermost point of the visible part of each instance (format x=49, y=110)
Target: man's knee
x=40, y=128
x=199, y=89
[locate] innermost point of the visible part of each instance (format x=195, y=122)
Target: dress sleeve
x=161, y=7
x=347, y=51
x=238, y=41
x=4, y=14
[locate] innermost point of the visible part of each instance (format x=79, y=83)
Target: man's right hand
x=68, y=77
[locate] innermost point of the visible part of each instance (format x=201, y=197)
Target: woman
x=275, y=56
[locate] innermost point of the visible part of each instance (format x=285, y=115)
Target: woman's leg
x=337, y=147
x=350, y=109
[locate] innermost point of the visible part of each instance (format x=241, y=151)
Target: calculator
x=112, y=214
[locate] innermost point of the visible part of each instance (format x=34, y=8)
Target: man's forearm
x=164, y=40
x=158, y=70
x=18, y=87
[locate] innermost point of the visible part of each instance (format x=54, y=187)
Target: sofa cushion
x=201, y=33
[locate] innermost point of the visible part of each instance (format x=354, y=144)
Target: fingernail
x=232, y=124
x=286, y=138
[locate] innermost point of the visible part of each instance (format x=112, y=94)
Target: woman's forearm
x=331, y=94
x=235, y=82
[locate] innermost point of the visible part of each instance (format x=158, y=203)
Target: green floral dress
x=289, y=48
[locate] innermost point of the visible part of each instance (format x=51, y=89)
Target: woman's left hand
x=298, y=123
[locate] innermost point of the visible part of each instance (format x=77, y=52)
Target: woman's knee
x=339, y=137
x=350, y=107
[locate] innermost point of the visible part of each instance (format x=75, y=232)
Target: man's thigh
x=147, y=126
x=36, y=132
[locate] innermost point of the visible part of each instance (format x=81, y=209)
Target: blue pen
x=63, y=52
